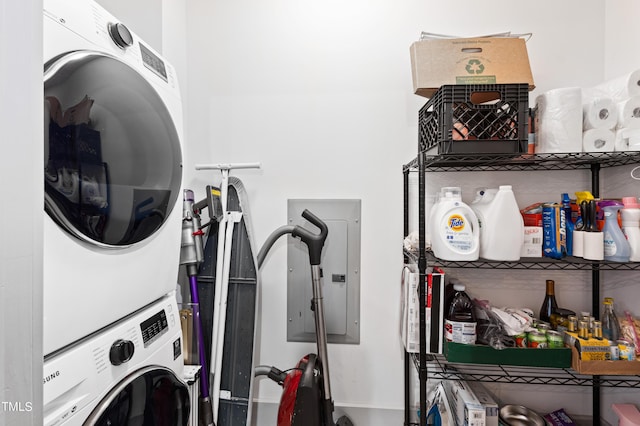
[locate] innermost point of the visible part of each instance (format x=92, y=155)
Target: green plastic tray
x=481, y=354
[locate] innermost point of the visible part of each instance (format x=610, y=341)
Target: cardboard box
x=590, y=349
x=532, y=245
x=491, y=408
x=604, y=368
x=484, y=60
x=410, y=322
x=466, y=408
x=410, y=309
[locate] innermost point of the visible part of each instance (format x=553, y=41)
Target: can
x=554, y=339
x=543, y=327
x=614, y=350
x=536, y=339
x=597, y=330
x=583, y=329
x=521, y=340
x=627, y=350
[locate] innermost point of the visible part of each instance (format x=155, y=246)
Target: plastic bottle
x=460, y=321
x=549, y=304
x=454, y=228
x=616, y=246
x=569, y=225
x=610, y=323
x=501, y=224
x=631, y=226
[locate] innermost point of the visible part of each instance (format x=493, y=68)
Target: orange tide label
x=456, y=222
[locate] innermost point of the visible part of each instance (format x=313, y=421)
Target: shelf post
x=422, y=268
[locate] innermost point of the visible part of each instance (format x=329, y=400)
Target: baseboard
x=265, y=413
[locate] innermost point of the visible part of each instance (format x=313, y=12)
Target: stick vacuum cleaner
x=191, y=255
x=306, y=397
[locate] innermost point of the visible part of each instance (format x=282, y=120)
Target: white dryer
x=113, y=172
x=128, y=374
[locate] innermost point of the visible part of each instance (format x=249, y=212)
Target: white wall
x=144, y=17
x=622, y=32
x=21, y=192
x=320, y=93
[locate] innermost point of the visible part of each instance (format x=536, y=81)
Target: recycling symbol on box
x=474, y=66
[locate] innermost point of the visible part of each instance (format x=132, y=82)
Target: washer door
x=112, y=153
x=152, y=396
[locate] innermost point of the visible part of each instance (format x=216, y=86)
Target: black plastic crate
x=475, y=118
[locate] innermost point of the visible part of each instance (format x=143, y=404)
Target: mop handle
x=227, y=166
x=314, y=242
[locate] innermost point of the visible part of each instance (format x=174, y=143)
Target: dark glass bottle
x=610, y=324
x=549, y=304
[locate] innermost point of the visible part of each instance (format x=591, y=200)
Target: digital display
x=152, y=62
x=154, y=327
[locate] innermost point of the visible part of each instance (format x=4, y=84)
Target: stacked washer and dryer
x=113, y=174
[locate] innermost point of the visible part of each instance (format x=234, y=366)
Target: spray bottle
x=616, y=246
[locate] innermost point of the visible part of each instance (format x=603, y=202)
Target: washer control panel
x=154, y=327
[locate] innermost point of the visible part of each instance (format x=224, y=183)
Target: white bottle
x=631, y=226
x=454, y=228
x=501, y=224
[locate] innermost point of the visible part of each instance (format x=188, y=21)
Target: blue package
x=554, y=231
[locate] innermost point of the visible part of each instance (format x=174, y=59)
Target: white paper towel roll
x=599, y=113
x=627, y=140
x=559, y=121
x=629, y=113
x=598, y=140
x=623, y=87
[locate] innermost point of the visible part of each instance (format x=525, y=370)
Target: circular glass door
x=112, y=153
x=153, y=396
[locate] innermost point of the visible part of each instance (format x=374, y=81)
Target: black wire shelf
x=528, y=263
x=520, y=162
x=439, y=368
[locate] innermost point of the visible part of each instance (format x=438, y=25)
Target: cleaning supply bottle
x=501, y=224
x=610, y=323
x=616, y=246
x=569, y=225
x=630, y=214
x=454, y=228
x=460, y=321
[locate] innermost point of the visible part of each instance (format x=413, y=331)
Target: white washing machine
x=128, y=374
x=113, y=172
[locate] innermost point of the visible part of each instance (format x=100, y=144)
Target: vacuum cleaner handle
x=314, y=242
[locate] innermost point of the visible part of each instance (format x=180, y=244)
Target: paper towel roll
x=559, y=121
x=627, y=140
x=599, y=113
x=598, y=140
x=629, y=113
x=623, y=87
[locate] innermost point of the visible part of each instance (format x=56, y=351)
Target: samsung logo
x=50, y=377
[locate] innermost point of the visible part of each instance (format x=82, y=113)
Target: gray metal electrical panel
x=340, y=268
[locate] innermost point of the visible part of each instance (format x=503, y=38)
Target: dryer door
x=112, y=154
x=152, y=396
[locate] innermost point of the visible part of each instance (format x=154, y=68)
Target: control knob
x=121, y=351
x=120, y=35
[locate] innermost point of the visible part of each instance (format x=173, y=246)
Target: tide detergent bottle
x=454, y=228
